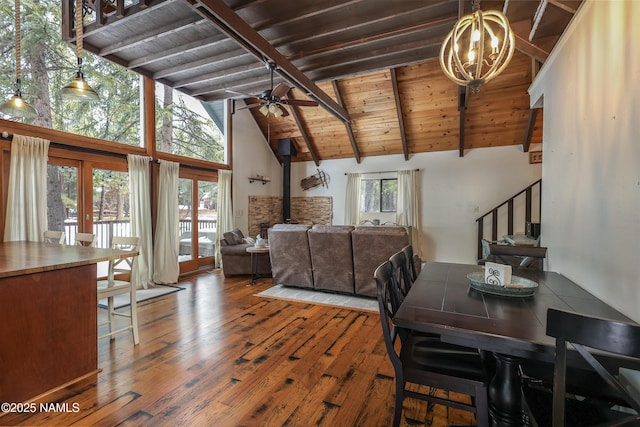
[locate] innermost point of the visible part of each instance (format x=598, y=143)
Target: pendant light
x=16, y=107
x=79, y=89
x=490, y=43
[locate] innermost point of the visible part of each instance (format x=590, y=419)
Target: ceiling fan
x=270, y=100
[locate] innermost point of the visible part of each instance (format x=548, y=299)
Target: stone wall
x=305, y=210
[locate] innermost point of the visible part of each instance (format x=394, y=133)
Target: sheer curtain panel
x=408, y=212
x=140, y=212
x=166, y=244
x=26, y=217
x=225, y=210
x=352, y=199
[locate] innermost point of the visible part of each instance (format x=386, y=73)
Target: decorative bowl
x=519, y=287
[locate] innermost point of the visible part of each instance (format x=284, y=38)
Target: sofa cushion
x=234, y=237
x=331, y=257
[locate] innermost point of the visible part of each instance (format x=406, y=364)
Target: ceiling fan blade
x=300, y=102
x=285, y=113
x=280, y=90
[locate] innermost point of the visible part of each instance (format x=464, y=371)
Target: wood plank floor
x=214, y=354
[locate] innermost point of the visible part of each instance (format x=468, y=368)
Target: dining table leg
x=505, y=405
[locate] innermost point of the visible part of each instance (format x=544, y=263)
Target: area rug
x=141, y=295
x=316, y=297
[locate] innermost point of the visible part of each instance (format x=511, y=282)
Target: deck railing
x=105, y=230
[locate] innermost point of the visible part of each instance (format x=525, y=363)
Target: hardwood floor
x=214, y=354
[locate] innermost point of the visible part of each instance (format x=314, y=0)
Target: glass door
x=63, y=209
x=110, y=205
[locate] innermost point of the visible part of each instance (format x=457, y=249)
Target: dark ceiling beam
x=347, y=125
x=177, y=51
x=295, y=112
x=528, y=133
x=396, y=95
x=531, y=50
x=563, y=6
x=156, y=33
x=463, y=102
x=231, y=24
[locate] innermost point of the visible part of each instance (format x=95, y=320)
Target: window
x=188, y=127
x=379, y=195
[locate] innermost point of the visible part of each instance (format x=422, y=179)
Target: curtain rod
x=346, y=173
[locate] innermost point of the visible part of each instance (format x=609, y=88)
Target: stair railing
x=492, y=215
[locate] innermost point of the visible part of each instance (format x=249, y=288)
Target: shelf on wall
x=263, y=180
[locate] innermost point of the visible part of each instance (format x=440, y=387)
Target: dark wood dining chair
x=412, y=269
x=402, y=280
x=585, y=334
x=429, y=362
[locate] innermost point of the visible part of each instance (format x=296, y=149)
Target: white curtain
x=409, y=206
x=352, y=199
x=26, y=217
x=225, y=210
x=166, y=245
x=140, y=213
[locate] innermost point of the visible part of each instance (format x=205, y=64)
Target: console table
x=48, y=313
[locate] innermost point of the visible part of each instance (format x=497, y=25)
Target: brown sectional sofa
x=334, y=258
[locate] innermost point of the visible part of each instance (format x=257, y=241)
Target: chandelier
x=478, y=48
x=16, y=107
x=78, y=88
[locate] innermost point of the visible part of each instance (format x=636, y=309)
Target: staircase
x=502, y=216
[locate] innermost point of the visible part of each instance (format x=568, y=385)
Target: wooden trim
x=528, y=133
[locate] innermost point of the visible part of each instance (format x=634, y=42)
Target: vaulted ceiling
x=370, y=64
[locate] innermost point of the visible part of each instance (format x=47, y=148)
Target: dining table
x=512, y=328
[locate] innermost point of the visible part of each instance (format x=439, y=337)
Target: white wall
x=591, y=163
x=251, y=156
x=455, y=191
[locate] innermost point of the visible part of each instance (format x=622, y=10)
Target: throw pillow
x=230, y=237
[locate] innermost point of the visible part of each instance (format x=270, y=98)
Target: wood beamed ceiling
x=371, y=65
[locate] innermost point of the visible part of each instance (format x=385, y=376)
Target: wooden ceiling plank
x=396, y=95
x=177, y=51
x=347, y=125
x=154, y=34
x=191, y=66
x=230, y=23
x=202, y=78
x=295, y=112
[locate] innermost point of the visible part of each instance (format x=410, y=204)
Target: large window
x=379, y=195
x=49, y=63
x=188, y=127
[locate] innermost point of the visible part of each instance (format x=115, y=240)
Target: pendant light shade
x=16, y=107
x=78, y=88
x=478, y=48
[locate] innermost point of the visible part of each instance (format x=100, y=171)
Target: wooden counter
x=48, y=311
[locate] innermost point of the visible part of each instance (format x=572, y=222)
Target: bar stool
x=111, y=287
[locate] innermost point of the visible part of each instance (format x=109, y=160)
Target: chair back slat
x=586, y=332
